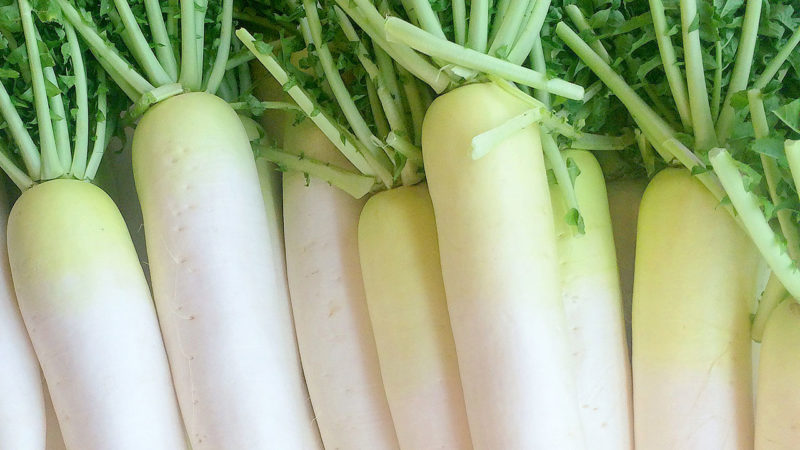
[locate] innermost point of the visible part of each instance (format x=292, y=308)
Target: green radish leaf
x=573, y=169
x=790, y=115
x=8, y=73
x=575, y=219
x=770, y=146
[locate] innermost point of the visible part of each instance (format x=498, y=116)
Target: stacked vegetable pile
x=400, y=224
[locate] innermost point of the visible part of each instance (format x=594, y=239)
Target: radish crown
x=47, y=90
x=402, y=47
x=156, y=49
x=742, y=130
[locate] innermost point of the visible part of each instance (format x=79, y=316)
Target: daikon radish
x=691, y=322
x=408, y=309
x=334, y=335
x=593, y=306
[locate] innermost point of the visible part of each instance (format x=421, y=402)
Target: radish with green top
x=691, y=337
x=686, y=394
x=421, y=378
x=221, y=301
x=500, y=269
x=334, y=334
x=408, y=308
x=478, y=216
x=593, y=305
x=81, y=291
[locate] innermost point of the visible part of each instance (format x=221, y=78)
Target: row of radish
x=479, y=309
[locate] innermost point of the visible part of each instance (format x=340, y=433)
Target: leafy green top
x=54, y=101
x=721, y=81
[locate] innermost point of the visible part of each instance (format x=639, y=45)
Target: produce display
x=413, y=224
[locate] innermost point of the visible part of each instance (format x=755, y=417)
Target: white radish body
x=696, y=277
x=330, y=312
x=226, y=324
x=778, y=404
x=500, y=271
x=22, y=413
x=408, y=311
x=593, y=307
x=87, y=308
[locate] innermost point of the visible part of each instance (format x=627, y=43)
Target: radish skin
x=691, y=322
x=87, y=308
x=408, y=311
x=22, y=413
x=593, y=307
x=500, y=269
x=226, y=325
x=778, y=406
x=330, y=312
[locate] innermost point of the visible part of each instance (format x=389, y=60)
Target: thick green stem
x=677, y=84
x=355, y=184
x=741, y=68
x=224, y=49
x=427, y=19
x=460, y=21
x=646, y=150
x=588, y=141
x=402, y=31
x=173, y=14
x=772, y=174
x=105, y=52
x=563, y=179
x=717, y=92
x=161, y=38
x=756, y=225
x=140, y=47
x=201, y=7
x=577, y=17
x=329, y=128
x=239, y=59
x=703, y=125
x=379, y=118
x=101, y=130
x=404, y=147
x=51, y=164
x=243, y=73
x=342, y=95
x=405, y=56
x=80, y=155
x=778, y=60
x=415, y=106
x=25, y=144
x=389, y=91
x=191, y=74
x=508, y=29
x=539, y=64
x=478, y=25
x=499, y=17
x=660, y=134
x=19, y=177
x=485, y=142
x=150, y=98
x=60, y=121
x=530, y=33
